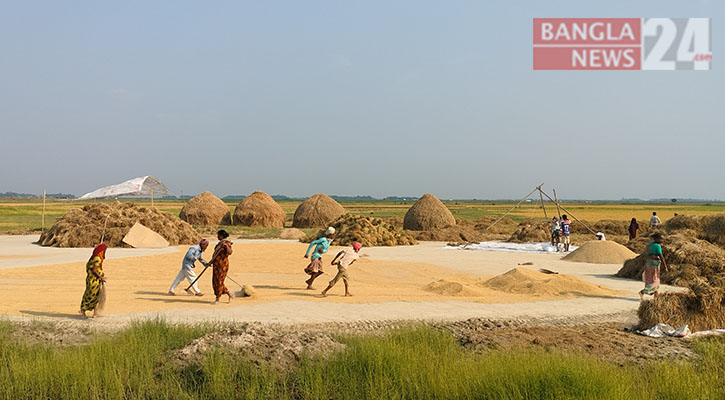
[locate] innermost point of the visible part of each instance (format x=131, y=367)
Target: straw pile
x=531, y=231
x=316, y=211
x=428, y=213
x=526, y=281
x=702, y=308
x=451, y=288
x=600, y=252
x=204, y=209
x=259, y=209
x=368, y=231
x=689, y=259
x=292, y=234
x=83, y=227
x=705, y=227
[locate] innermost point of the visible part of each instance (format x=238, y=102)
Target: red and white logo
x=622, y=43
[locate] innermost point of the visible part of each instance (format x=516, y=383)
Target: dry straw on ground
x=259, y=209
x=317, y=211
x=292, y=234
x=702, y=308
x=688, y=259
x=600, y=252
x=204, y=209
x=428, y=213
x=368, y=231
x=531, y=231
x=83, y=227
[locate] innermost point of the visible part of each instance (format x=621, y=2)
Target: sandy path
x=19, y=251
x=388, y=285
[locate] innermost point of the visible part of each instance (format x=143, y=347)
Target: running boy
x=349, y=256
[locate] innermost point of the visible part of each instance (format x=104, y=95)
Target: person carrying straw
x=347, y=257
x=95, y=281
x=187, y=268
x=314, y=268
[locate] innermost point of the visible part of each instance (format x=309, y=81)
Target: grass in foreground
x=417, y=363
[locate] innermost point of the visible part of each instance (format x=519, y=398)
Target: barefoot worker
x=651, y=275
x=187, y=268
x=349, y=256
x=565, y=232
x=220, y=265
x=314, y=268
x=95, y=279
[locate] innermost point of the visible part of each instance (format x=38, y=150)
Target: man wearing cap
x=187, y=268
x=347, y=257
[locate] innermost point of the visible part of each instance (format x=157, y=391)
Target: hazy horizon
x=371, y=98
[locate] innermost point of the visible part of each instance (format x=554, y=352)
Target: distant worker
x=555, y=232
x=654, y=220
x=633, y=226
x=565, y=232
x=651, y=275
x=220, y=264
x=600, y=236
x=95, y=281
x=347, y=257
x=314, y=268
x=187, y=268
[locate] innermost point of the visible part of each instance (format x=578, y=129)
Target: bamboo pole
x=512, y=208
x=556, y=201
x=541, y=197
x=569, y=212
x=152, y=198
x=42, y=218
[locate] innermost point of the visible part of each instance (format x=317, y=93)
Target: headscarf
x=203, y=242
x=329, y=231
x=99, y=251
x=357, y=246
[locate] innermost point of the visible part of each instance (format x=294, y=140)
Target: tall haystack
x=83, y=227
x=688, y=259
x=204, y=209
x=705, y=227
x=259, y=209
x=316, y=211
x=428, y=213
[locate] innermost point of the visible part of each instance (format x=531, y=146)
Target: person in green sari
x=95, y=279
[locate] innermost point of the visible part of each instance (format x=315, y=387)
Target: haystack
x=368, y=231
x=259, y=209
x=702, y=308
x=428, y=213
x=204, y=209
x=688, y=260
x=317, y=211
x=600, y=252
x=531, y=231
x=464, y=231
x=83, y=227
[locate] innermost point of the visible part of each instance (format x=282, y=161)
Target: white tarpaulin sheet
x=142, y=186
x=515, y=247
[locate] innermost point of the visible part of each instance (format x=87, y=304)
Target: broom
x=102, y=293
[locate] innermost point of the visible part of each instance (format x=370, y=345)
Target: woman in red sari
x=95, y=279
x=220, y=263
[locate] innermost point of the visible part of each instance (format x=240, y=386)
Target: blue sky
x=372, y=98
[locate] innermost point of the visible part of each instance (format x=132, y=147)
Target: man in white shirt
x=187, y=268
x=654, y=220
